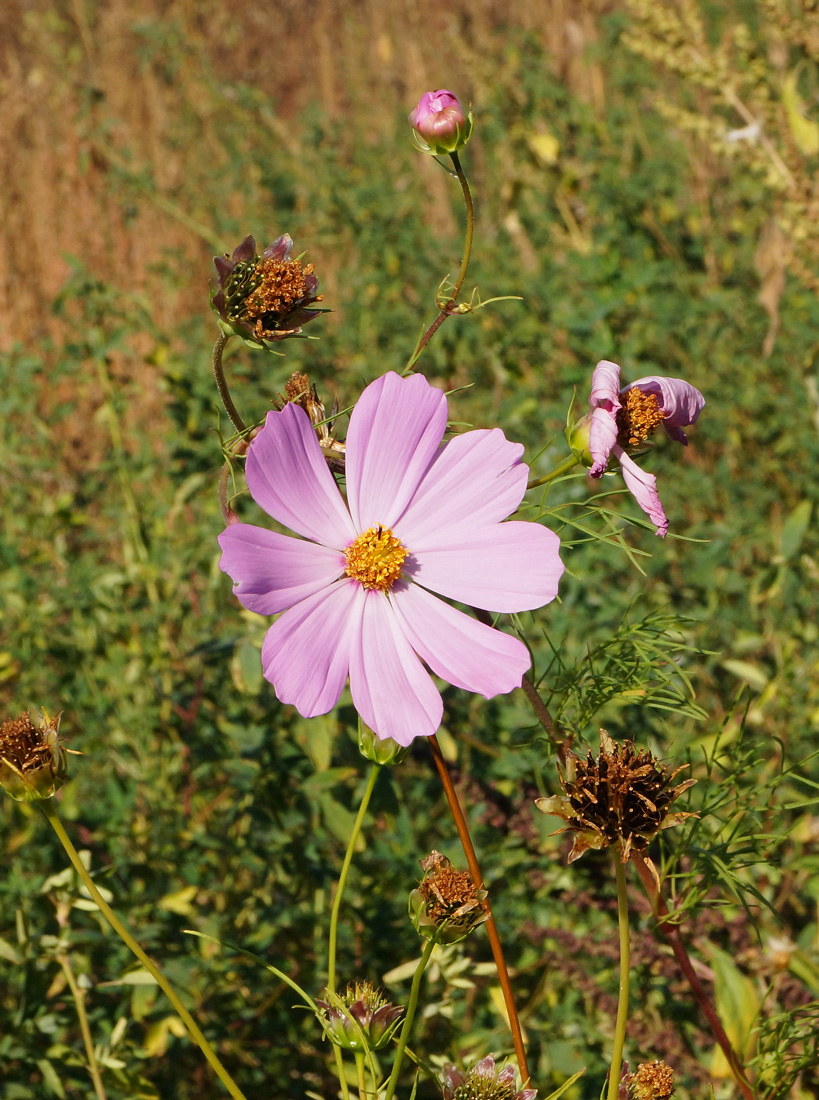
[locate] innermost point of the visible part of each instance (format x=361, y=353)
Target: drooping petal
x=605, y=387
x=395, y=430
x=643, y=487
x=456, y=647
x=306, y=652
x=288, y=476
x=681, y=402
x=507, y=567
x=602, y=438
x=475, y=479
x=280, y=249
x=271, y=572
x=391, y=689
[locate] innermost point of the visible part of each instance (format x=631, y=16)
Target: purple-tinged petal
x=288, y=476
x=244, y=251
x=392, y=691
x=280, y=249
x=475, y=479
x=602, y=438
x=306, y=652
x=395, y=430
x=605, y=386
x=456, y=647
x=508, y=567
x=681, y=402
x=643, y=487
x=272, y=572
x=486, y=1066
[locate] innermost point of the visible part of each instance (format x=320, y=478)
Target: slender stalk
x=406, y=1027
x=196, y=1034
x=79, y=1001
x=342, y=878
x=449, y=305
x=563, y=468
x=345, y=1092
x=672, y=934
x=362, y=1079
x=491, y=928
x=622, y=1001
x=221, y=383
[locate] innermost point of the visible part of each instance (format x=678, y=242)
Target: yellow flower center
x=281, y=289
x=375, y=558
x=639, y=417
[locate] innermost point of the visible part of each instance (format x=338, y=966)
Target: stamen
x=282, y=288
x=375, y=558
x=639, y=417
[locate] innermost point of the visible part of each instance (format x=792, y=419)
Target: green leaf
x=794, y=529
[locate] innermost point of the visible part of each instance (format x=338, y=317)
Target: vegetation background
x=617, y=194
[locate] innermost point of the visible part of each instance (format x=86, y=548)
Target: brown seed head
x=32, y=760
x=651, y=1081
x=447, y=905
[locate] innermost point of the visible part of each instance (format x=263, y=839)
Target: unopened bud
x=440, y=124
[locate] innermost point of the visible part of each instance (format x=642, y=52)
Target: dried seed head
x=620, y=798
x=32, y=760
x=446, y=905
x=299, y=391
x=651, y=1081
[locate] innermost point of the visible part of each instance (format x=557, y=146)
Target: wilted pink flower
x=484, y=1082
x=440, y=124
x=357, y=597
x=623, y=419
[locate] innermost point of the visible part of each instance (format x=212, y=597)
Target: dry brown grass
x=95, y=167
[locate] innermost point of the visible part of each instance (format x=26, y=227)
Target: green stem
x=406, y=1027
x=362, y=1080
x=558, y=471
x=79, y=1001
x=448, y=306
x=342, y=878
x=622, y=1001
x=345, y=1092
x=51, y=814
x=221, y=384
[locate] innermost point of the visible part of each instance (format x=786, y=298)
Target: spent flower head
x=446, y=906
x=359, y=590
x=33, y=762
x=619, y=799
x=264, y=298
x=440, y=124
x=650, y=1081
x=359, y=1019
x=622, y=421
x=484, y=1081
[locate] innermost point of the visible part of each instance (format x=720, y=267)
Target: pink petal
x=602, y=438
x=457, y=647
x=395, y=430
x=271, y=572
x=681, y=402
x=392, y=691
x=306, y=652
x=288, y=477
x=643, y=487
x=506, y=567
x=475, y=479
x=605, y=386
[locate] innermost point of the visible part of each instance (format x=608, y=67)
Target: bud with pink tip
x=440, y=124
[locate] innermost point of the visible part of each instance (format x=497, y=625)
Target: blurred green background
x=623, y=192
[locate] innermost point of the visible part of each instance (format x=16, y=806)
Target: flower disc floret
x=375, y=558
x=443, y=504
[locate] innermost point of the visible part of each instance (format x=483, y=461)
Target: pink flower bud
x=440, y=124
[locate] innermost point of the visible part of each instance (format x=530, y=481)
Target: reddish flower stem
x=672, y=934
x=477, y=878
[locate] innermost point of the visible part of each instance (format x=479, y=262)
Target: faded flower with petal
x=359, y=590
x=440, y=124
x=446, y=906
x=264, y=298
x=622, y=421
x=33, y=762
x=484, y=1082
x=621, y=798
x=359, y=1019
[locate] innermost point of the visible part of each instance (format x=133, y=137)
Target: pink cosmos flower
x=627, y=417
x=356, y=590
x=440, y=124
